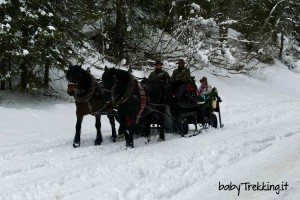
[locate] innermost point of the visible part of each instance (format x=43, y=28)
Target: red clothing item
x=203, y=87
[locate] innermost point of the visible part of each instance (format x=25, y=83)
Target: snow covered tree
x=44, y=35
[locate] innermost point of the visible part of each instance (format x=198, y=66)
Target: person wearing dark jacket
x=180, y=78
x=181, y=74
x=159, y=73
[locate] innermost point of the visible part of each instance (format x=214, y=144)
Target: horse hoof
x=113, y=139
x=121, y=137
x=147, y=140
x=76, y=144
x=161, y=140
x=97, y=142
x=128, y=147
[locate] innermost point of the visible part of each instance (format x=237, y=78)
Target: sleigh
x=194, y=110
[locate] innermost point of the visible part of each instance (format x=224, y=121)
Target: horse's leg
x=146, y=128
x=123, y=120
x=76, y=141
x=99, y=139
x=161, y=128
x=122, y=128
x=130, y=127
x=122, y=131
x=129, y=135
x=113, y=128
x=129, y=142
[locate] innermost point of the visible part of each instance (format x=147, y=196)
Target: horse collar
x=89, y=95
x=130, y=88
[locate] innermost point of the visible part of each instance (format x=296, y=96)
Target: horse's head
x=109, y=81
x=74, y=76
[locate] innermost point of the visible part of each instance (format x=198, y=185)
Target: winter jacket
x=183, y=75
x=205, y=89
x=162, y=75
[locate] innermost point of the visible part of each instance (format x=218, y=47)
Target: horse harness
x=130, y=89
x=86, y=98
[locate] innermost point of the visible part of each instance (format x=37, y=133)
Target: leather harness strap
x=143, y=100
x=130, y=90
x=141, y=94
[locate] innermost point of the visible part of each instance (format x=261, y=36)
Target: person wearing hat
x=204, y=88
x=180, y=78
x=181, y=74
x=159, y=73
x=208, y=95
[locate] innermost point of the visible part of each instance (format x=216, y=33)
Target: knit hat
x=204, y=79
x=181, y=61
x=158, y=62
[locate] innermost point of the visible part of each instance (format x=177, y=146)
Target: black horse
x=136, y=103
x=87, y=93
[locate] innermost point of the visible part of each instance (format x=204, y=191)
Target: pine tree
x=45, y=35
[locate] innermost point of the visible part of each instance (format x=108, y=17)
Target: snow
x=195, y=6
x=51, y=28
x=259, y=144
x=25, y=52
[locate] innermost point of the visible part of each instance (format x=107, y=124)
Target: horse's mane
x=87, y=77
x=123, y=75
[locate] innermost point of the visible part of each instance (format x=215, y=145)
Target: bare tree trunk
x=120, y=29
x=46, y=72
x=24, y=74
x=3, y=85
x=24, y=63
x=2, y=65
x=281, y=46
x=10, y=79
x=46, y=76
x=223, y=31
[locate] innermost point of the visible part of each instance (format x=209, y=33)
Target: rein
x=131, y=87
x=86, y=97
x=121, y=98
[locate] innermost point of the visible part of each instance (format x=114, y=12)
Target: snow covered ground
x=259, y=144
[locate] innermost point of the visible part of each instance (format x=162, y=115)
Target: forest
x=39, y=36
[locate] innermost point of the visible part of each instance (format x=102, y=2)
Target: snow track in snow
x=52, y=169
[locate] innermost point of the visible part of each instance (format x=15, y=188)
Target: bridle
x=111, y=90
x=124, y=95
x=78, y=92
